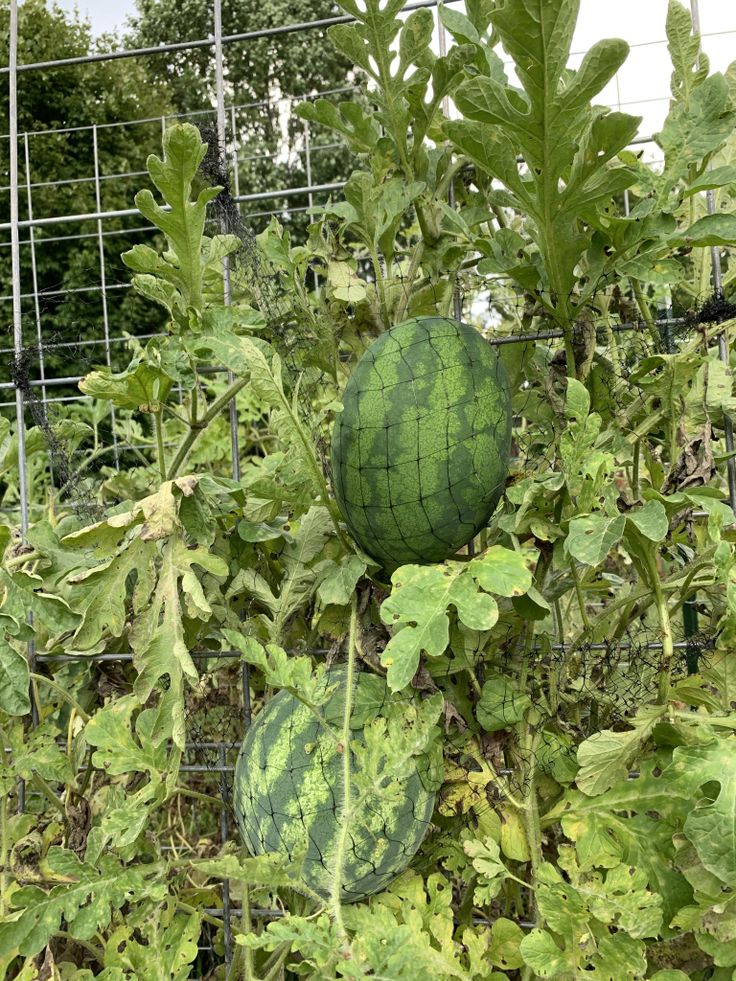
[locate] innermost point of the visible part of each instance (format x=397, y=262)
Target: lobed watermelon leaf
x=419, y=606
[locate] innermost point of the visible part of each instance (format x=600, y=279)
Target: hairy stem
x=531, y=809
x=635, y=472
x=663, y=613
x=69, y=699
x=247, y=927
x=158, y=422
x=642, y=303
x=411, y=272
x=579, y=595
x=214, y=410
x=346, y=811
x=3, y=851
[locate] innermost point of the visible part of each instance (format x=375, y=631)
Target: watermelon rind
x=420, y=450
x=288, y=795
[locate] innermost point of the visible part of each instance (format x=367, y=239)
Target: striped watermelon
x=288, y=793
x=420, y=450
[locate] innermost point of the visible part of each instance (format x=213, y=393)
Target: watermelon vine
x=497, y=751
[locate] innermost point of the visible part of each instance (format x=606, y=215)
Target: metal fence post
x=457, y=300
x=18, y=324
x=103, y=283
x=227, y=286
x=717, y=281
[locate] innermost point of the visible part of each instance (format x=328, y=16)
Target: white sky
x=105, y=15
x=642, y=85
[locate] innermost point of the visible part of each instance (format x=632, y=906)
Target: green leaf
x=505, y=947
x=418, y=606
x=85, y=899
x=15, y=680
x=591, y=537
x=543, y=955
x=501, y=704
x=685, y=52
x=577, y=401
x=712, y=178
x=141, y=386
x=100, y=594
x=340, y=580
x=650, y=521
x=157, y=637
x=163, y=946
x=418, y=610
x=565, y=142
x=696, y=128
x=502, y=571
x=183, y=265
x=281, y=670
x=711, y=230
x=117, y=750
x=360, y=129
x=711, y=825
x=604, y=757
x=23, y=595
x=485, y=858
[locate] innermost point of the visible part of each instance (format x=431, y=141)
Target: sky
x=105, y=15
x=642, y=85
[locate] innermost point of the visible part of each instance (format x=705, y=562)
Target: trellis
x=21, y=144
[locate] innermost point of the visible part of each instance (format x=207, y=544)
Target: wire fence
x=50, y=387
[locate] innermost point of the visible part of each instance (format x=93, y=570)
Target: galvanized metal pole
x=227, y=286
x=717, y=281
x=103, y=285
x=310, y=196
x=234, y=449
x=15, y=266
x=457, y=300
x=20, y=422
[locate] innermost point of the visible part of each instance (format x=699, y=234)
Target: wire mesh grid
x=39, y=384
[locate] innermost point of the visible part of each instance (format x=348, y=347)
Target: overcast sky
x=641, y=87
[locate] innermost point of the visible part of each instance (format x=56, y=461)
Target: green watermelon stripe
x=297, y=803
x=419, y=452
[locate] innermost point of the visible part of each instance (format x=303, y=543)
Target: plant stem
x=411, y=272
x=642, y=303
x=158, y=422
x=380, y=287
x=247, y=927
x=69, y=699
x=206, y=917
x=665, y=666
x=579, y=595
x=531, y=810
x=346, y=809
x=22, y=559
x=278, y=966
x=3, y=851
x=42, y=786
x=196, y=795
x=217, y=406
x=635, y=473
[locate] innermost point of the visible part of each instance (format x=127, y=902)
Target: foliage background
x=547, y=860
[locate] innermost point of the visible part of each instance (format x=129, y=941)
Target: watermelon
x=420, y=450
x=288, y=792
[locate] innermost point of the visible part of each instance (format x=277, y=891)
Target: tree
x=53, y=107
x=259, y=73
